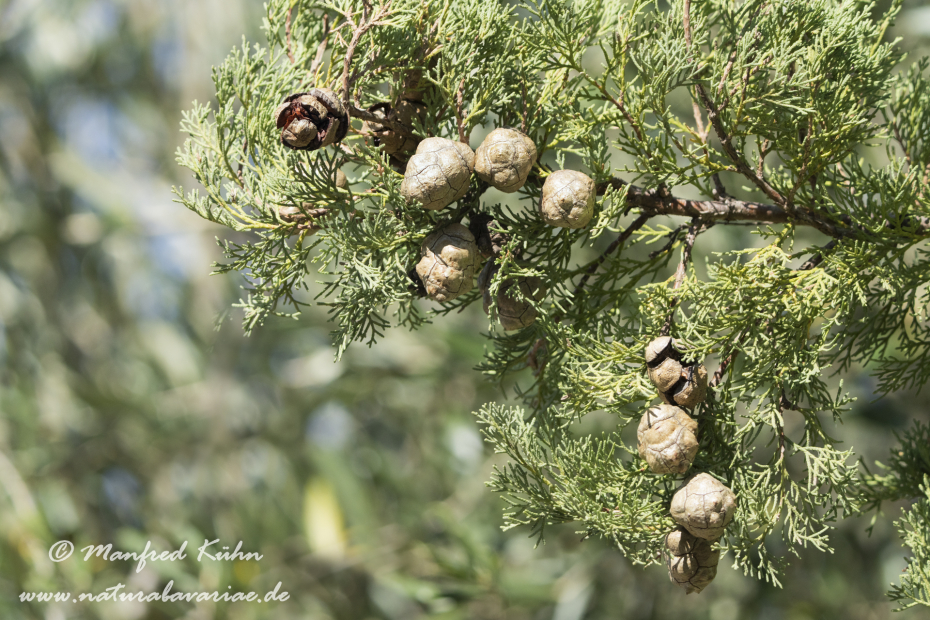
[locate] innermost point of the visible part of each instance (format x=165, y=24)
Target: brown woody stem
x=460, y=113
x=287, y=34
x=365, y=23
x=718, y=375
x=652, y=202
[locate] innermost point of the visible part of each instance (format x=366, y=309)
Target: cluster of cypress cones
x=439, y=173
x=667, y=436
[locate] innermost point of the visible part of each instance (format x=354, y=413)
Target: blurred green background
x=134, y=410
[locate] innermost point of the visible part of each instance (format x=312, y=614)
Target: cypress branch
x=795, y=94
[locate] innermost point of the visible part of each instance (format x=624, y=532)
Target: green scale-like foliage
x=787, y=98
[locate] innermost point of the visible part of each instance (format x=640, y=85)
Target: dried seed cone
x=381, y=111
x=307, y=218
x=306, y=214
x=692, y=562
x=662, y=363
x=342, y=182
x=448, y=261
x=312, y=120
x=414, y=86
x=691, y=389
x=667, y=439
x=404, y=112
x=704, y=506
x=438, y=174
x=486, y=230
x=659, y=348
x=514, y=313
x=567, y=199
x=511, y=312
x=665, y=375
x=504, y=159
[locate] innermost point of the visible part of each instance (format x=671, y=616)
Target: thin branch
x=817, y=258
x=731, y=210
x=763, y=151
x=321, y=48
x=702, y=131
x=367, y=69
x=245, y=150
x=696, y=228
x=460, y=113
x=718, y=374
x=653, y=202
x=616, y=243
x=302, y=219
x=686, y=22
x=357, y=32
x=726, y=141
x=597, y=262
x=726, y=73
x=537, y=358
x=719, y=190
x=780, y=427
x=672, y=238
x=713, y=116
x=287, y=35
x=364, y=25
x=618, y=103
x=806, y=135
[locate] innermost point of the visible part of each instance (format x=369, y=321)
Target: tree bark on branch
x=652, y=202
